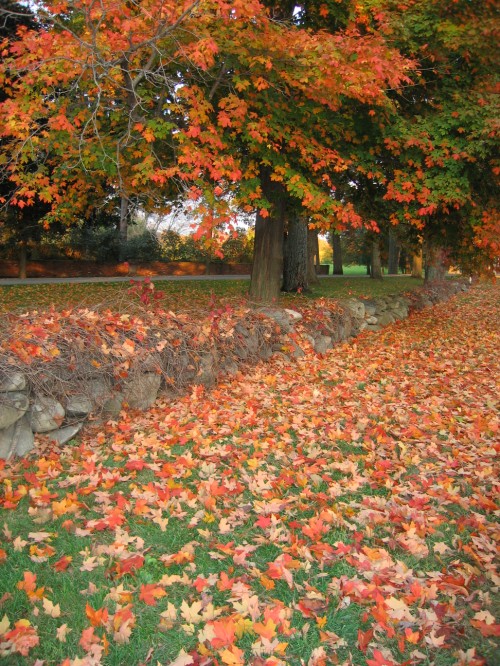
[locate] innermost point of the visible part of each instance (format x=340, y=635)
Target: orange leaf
x=267, y=630
x=150, y=593
x=224, y=631
x=266, y=582
x=96, y=617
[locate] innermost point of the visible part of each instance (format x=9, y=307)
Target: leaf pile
x=336, y=509
x=60, y=352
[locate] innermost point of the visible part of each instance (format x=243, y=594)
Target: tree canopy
x=318, y=103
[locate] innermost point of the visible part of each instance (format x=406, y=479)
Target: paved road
x=155, y=278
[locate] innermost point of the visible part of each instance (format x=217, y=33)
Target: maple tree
x=437, y=155
x=18, y=226
x=205, y=95
x=272, y=106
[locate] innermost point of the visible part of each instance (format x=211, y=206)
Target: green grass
x=352, y=269
x=189, y=295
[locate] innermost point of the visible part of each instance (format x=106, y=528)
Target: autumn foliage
x=335, y=509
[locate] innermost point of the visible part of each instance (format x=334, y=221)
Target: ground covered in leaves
x=334, y=509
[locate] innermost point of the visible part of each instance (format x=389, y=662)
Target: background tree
x=444, y=136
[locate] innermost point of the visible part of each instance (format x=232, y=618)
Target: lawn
x=182, y=294
x=336, y=509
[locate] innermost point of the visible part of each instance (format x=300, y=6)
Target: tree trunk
x=123, y=230
x=295, y=259
x=267, y=269
x=23, y=258
x=265, y=284
x=312, y=255
x=376, y=272
x=435, y=269
x=416, y=264
x=338, y=268
x=403, y=262
x=394, y=250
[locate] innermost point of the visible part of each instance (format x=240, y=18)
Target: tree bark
x=267, y=269
x=435, y=269
x=338, y=268
x=416, y=264
x=394, y=250
x=123, y=230
x=295, y=259
x=265, y=284
x=376, y=271
x=312, y=256
x=23, y=258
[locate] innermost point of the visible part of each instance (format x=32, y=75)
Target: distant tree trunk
x=312, y=256
x=435, y=269
x=376, y=272
x=338, y=268
x=23, y=258
x=416, y=264
x=123, y=230
x=295, y=259
x=208, y=263
x=265, y=284
x=394, y=250
x=403, y=261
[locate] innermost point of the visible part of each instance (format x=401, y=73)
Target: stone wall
x=28, y=409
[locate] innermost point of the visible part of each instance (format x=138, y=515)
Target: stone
x=343, y=330
x=422, y=302
x=242, y=352
x=206, y=374
x=399, y=313
x=279, y=316
x=13, y=406
x=370, y=308
x=98, y=390
x=230, y=367
x=14, y=381
x=371, y=320
x=113, y=405
x=46, y=414
x=78, y=406
x=141, y=391
x=17, y=439
x=249, y=341
x=380, y=305
x=373, y=327
x=150, y=363
x=322, y=344
x=385, y=318
x=295, y=350
x=64, y=435
x=265, y=352
x=356, y=307
x=293, y=314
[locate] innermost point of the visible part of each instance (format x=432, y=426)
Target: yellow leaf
x=4, y=625
x=62, y=632
x=54, y=610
